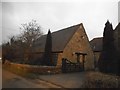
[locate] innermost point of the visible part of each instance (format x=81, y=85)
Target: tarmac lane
x=0, y=75
x=66, y=80
x=63, y=80
x=10, y=80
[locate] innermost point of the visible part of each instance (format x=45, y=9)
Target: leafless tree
x=20, y=46
x=30, y=32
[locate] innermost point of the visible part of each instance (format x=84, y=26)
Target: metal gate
x=68, y=66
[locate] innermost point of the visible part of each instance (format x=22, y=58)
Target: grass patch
x=101, y=80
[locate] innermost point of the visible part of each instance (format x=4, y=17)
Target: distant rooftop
x=96, y=44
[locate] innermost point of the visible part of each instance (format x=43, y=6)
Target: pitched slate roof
x=118, y=26
x=96, y=44
x=59, y=39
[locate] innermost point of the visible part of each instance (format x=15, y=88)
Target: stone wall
x=24, y=68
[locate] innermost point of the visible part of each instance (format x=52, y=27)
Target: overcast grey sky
x=58, y=15
x=119, y=11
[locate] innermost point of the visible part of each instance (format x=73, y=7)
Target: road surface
x=10, y=80
x=0, y=75
x=66, y=80
x=63, y=80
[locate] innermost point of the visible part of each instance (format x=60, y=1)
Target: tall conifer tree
x=107, y=60
x=47, y=58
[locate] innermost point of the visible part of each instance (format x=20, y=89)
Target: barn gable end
x=79, y=43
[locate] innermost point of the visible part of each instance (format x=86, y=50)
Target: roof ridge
x=63, y=29
x=67, y=27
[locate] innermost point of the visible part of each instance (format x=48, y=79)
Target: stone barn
x=65, y=43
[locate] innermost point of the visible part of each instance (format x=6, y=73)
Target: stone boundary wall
x=24, y=68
